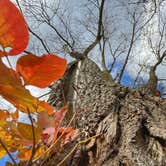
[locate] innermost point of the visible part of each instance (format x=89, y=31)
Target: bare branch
x=102, y=50
x=99, y=31
x=40, y=39
x=130, y=48
x=33, y=33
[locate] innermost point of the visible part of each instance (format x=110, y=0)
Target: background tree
x=125, y=126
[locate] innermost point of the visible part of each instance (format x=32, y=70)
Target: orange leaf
x=44, y=107
x=44, y=120
x=41, y=71
x=12, y=90
x=4, y=115
x=13, y=29
x=15, y=115
x=24, y=154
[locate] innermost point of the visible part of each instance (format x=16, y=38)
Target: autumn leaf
x=4, y=115
x=12, y=90
x=25, y=131
x=51, y=124
x=41, y=150
x=69, y=134
x=59, y=115
x=13, y=29
x=45, y=120
x=42, y=106
x=54, y=130
x=9, y=164
x=48, y=135
x=2, y=152
x=41, y=71
x=54, y=120
x=24, y=154
x=8, y=140
x=15, y=115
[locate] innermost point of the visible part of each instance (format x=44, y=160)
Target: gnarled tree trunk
x=126, y=126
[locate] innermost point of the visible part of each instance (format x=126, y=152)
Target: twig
x=7, y=151
x=34, y=140
x=68, y=155
x=75, y=147
x=7, y=58
x=57, y=139
x=44, y=94
x=33, y=33
x=99, y=30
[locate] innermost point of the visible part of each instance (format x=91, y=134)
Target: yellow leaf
x=40, y=151
x=8, y=164
x=2, y=152
x=26, y=132
x=9, y=141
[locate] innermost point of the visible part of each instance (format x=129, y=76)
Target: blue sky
x=6, y=159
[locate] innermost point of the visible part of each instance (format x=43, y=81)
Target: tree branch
x=99, y=31
x=29, y=163
x=129, y=50
x=33, y=33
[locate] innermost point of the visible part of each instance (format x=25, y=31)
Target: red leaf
x=69, y=134
x=48, y=135
x=59, y=115
x=41, y=71
x=13, y=29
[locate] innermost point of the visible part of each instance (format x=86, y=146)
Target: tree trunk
x=125, y=126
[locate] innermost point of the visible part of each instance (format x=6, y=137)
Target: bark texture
x=127, y=126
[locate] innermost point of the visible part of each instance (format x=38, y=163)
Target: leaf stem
x=75, y=147
x=10, y=65
x=44, y=94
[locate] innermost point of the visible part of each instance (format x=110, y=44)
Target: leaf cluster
x=30, y=141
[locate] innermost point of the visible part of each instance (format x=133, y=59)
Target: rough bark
x=128, y=125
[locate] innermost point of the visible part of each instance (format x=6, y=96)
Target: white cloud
x=142, y=52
